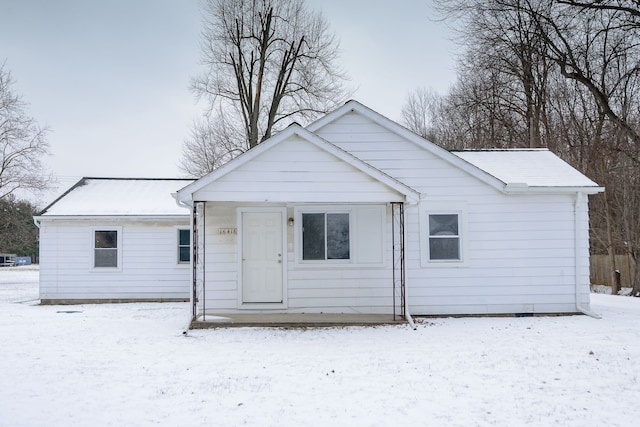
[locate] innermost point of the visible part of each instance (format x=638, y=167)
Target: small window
x=184, y=246
x=105, y=249
x=325, y=236
x=444, y=237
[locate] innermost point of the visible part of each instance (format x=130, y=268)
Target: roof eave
x=522, y=188
x=151, y=217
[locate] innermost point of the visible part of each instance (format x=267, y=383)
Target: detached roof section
x=119, y=197
x=529, y=170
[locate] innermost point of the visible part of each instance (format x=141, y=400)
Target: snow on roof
x=119, y=196
x=534, y=167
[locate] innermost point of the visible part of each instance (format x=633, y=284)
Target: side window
x=105, y=249
x=444, y=237
x=444, y=233
x=325, y=236
x=184, y=246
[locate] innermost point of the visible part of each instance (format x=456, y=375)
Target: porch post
x=198, y=258
x=397, y=237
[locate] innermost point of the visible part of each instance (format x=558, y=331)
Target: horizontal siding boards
x=521, y=248
x=311, y=288
x=296, y=170
x=149, y=268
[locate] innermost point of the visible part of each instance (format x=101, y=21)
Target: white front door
x=262, y=257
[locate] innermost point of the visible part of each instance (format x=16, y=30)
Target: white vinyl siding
x=362, y=283
x=296, y=170
x=147, y=261
x=518, y=250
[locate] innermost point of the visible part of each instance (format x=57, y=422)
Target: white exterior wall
x=149, y=261
x=297, y=171
x=329, y=288
x=521, y=247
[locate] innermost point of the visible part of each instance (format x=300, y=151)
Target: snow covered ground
x=129, y=364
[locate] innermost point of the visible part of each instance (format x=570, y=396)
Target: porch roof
x=285, y=169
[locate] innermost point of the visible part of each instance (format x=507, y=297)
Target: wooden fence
x=600, y=270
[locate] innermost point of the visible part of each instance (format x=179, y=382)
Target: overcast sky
x=111, y=78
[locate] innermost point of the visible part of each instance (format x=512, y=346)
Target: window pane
x=184, y=254
x=447, y=248
x=184, y=238
x=443, y=225
x=106, y=239
x=338, y=236
x=313, y=236
x=105, y=258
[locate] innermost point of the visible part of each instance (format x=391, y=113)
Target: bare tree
x=268, y=62
x=567, y=72
x=418, y=111
x=22, y=143
x=212, y=143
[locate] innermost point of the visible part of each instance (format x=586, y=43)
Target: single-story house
x=356, y=214
x=352, y=214
x=115, y=240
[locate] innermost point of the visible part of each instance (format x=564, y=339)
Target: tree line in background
x=22, y=144
x=563, y=75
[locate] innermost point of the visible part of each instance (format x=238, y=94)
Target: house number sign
x=225, y=231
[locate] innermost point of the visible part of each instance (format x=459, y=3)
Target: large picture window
x=325, y=236
x=105, y=249
x=184, y=246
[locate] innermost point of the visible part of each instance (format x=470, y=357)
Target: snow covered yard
x=129, y=364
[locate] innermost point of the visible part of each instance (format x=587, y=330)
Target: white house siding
x=149, y=268
x=296, y=170
x=521, y=248
x=326, y=288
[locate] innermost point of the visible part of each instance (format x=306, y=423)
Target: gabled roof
x=185, y=194
x=529, y=169
x=119, y=197
x=390, y=125
x=505, y=170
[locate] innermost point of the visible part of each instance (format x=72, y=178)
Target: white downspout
x=407, y=313
x=576, y=212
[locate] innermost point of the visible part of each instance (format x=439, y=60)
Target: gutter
x=576, y=212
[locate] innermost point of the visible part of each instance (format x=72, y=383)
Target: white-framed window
x=444, y=237
x=326, y=236
x=106, y=248
x=443, y=233
x=350, y=235
x=184, y=246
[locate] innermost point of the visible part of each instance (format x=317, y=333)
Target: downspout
x=576, y=212
x=407, y=313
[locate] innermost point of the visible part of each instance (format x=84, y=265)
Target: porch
x=291, y=320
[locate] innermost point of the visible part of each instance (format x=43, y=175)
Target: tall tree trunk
x=636, y=280
x=615, y=288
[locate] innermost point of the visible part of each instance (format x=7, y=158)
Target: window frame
x=118, y=248
x=326, y=210
x=432, y=237
x=429, y=208
x=179, y=246
x=366, y=249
